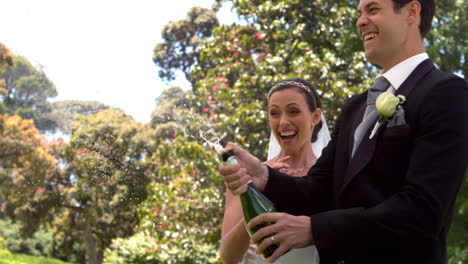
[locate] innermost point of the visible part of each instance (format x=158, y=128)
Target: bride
x=299, y=133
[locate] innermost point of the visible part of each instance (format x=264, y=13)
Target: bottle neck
x=251, y=187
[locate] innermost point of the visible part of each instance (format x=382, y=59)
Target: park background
x=85, y=182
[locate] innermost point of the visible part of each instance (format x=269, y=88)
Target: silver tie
x=380, y=85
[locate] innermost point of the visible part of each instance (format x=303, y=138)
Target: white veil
x=323, y=137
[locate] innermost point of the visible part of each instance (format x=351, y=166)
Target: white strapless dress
x=308, y=255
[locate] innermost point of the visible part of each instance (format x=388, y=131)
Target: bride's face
x=290, y=119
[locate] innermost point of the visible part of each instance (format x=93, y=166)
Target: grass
x=27, y=259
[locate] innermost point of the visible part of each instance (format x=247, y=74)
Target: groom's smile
x=369, y=36
x=384, y=31
x=369, y=39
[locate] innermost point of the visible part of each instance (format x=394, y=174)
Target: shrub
x=39, y=244
x=143, y=248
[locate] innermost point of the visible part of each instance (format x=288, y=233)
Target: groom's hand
x=285, y=230
x=249, y=168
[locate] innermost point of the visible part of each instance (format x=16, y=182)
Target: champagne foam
x=213, y=142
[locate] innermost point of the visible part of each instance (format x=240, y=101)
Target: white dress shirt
x=400, y=72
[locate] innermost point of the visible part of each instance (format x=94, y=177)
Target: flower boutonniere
x=386, y=105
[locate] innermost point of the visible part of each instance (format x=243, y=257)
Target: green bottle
x=253, y=203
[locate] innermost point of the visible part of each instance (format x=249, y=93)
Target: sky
x=97, y=50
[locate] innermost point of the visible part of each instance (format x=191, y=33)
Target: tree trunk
x=90, y=245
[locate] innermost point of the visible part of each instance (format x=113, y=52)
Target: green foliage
x=63, y=113
x=458, y=239
x=143, y=248
x=184, y=211
x=6, y=58
x=26, y=91
x=180, y=219
x=181, y=38
x=39, y=244
x=26, y=166
x=447, y=43
x=103, y=183
x=169, y=106
x=89, y=190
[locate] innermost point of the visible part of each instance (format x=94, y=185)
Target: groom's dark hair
x=427, y=13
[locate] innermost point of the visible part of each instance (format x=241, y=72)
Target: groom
x=385, y=199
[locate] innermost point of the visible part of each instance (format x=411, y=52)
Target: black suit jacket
x=392, y=202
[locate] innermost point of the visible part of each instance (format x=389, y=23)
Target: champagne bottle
x=253, y=203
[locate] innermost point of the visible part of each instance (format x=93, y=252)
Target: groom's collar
x=400, y=72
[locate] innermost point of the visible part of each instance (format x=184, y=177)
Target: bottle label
x=231, y=160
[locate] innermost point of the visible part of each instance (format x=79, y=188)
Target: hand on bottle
x=287, y=231
x=237, y=176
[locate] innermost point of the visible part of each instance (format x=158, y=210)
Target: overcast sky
x=97, y=49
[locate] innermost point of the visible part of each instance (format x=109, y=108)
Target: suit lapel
x=365, y=150
x=356, y=121
x=407, y=86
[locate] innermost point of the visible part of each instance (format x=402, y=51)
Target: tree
x=168, y=106
x=89, y=189
x=25, y=168
x=181, y=216
x=64, y=112
x=447, y=43
x=181, y=39
x=26, y=92
x=6, y=58
x=103, y=183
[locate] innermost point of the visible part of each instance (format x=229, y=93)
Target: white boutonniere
x=386, y=105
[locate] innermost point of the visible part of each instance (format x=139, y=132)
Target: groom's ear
x=414, y=13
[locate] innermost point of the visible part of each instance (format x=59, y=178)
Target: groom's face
x=382, y=30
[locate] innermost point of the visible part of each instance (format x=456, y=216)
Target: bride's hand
x=278, y=163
